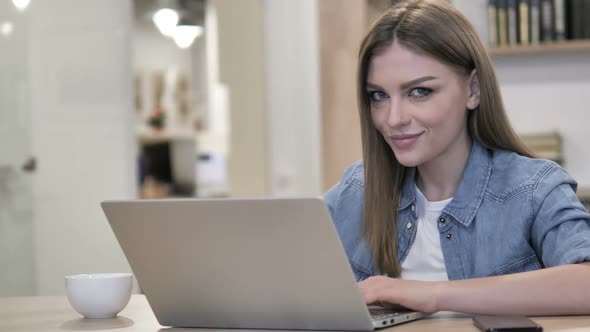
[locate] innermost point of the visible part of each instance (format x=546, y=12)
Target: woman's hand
x=415, y=295
x=560, y=290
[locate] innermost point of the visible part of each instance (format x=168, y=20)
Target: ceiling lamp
x=165, y=20
x=185, y=33
x=6, y=28
x=21, y=5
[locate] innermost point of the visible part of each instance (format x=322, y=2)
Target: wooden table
x=53, y=313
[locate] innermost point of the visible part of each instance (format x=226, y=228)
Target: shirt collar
x=469, y=195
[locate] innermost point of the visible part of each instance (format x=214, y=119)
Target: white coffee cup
x=101, y=295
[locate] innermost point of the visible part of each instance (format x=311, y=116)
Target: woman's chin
x=408, y=159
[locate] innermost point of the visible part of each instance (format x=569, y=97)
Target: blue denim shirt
x=510, y=214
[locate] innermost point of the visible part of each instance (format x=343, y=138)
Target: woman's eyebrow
x=417, y=81
x=405, y=85
x=373, y=86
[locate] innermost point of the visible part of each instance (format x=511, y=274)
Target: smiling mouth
x=406, y=136
x=404, y=141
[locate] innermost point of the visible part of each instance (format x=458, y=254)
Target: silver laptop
x=243, y=263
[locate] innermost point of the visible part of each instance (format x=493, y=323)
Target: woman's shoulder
x=354, y=175
x=351, y=180
x=512, y=173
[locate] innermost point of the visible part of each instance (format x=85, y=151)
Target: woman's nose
x=398, y=116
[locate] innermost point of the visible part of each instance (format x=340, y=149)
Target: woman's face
x=419, y=104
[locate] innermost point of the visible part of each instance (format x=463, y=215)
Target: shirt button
x=413, y=207
x=409, y=225
x=442, y=220
x=449, y=236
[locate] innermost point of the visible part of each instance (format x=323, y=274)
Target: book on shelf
x=546, y=145
x=559, y=12
x=535, y=21
x=492, y=22
x=546, y=20
x=587, y=21
x=502, y=24
x=577, y=13
x=512, y=12
x=578, y=17
x=524, y=22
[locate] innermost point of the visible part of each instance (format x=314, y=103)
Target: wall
x=550, y=92
x=342, y=26
x=269, y=63
x=82, y=108
x=241, y=65
x=544, y=92
x=293, y=96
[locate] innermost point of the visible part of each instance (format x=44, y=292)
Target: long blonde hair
x=438, y=29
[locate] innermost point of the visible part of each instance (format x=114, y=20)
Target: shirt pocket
x=530, y=263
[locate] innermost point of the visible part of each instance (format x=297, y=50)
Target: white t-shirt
x=425, y=261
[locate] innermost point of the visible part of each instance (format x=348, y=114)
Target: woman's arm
x=561, y=290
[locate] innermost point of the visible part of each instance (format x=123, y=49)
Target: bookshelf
x=518, y=27
x=546, y=145
x=568, y=46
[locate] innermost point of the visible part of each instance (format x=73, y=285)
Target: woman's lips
x=404, y=141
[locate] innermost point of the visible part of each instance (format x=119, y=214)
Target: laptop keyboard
x=382, y=313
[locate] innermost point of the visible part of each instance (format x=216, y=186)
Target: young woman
x=448, y=210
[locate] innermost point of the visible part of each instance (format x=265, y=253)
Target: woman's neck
x=439, y=178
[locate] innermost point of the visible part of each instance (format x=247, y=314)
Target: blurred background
x=122, y=99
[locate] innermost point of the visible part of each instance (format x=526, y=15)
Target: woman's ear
x=474, y=91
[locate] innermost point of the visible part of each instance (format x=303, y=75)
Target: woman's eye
x=419, y=92
x=377, y=96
